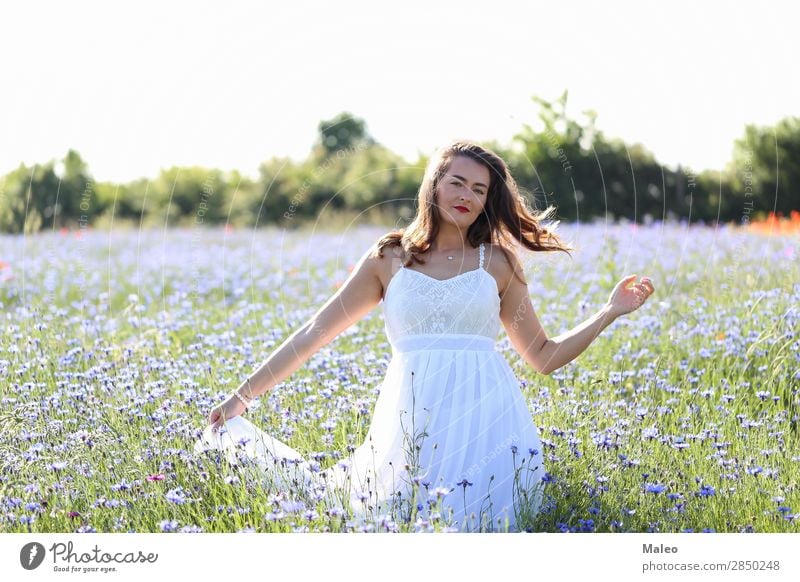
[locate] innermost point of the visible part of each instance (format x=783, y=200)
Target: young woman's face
x=466, y=185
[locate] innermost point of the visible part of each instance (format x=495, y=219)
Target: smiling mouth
x=461, y=208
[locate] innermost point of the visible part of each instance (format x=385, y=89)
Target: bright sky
x=229, y=85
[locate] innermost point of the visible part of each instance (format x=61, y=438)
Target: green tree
x=585, y=175
x=190, y=195
x=18, y=213
x=342, y=132
x=770, y=158
x=77, y=198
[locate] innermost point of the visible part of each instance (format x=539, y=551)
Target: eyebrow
x=463, y=179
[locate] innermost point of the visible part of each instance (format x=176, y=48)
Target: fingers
x=646, y=285
x=643, y=290
x=215, y=420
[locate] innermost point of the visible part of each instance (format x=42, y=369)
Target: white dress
x=470, y=454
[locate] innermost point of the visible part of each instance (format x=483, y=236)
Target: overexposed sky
x=147, y=85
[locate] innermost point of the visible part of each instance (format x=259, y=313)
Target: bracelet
x=249, y=399
x=240, y=397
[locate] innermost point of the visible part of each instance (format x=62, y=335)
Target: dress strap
x=480, y=265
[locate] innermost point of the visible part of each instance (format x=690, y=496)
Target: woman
x=451, y=436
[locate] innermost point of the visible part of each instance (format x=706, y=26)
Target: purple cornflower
x=122, y=486
x=293, y=506
x=440, y=491
x=707, y=490
x=176, y=496
x=310, y=515
x=274, y=516
x=650, y=433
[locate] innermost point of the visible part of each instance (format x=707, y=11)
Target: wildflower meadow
x=680, y=417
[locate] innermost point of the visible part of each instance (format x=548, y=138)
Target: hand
x=230, y=408
x=626, y=297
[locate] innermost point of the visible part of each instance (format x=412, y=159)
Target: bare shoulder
x=387, y=262
x=502, y=263
x=384, y=256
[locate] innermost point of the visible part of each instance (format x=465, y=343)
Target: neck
x=450, y=238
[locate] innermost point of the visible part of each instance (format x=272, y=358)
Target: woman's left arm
x=528, y=336
x=625, y=298
x=562, y=349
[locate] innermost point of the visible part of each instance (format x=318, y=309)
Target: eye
x=459, y=184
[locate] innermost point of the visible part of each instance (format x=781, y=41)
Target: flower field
x=682, y=416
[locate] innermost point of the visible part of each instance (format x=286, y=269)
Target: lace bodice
x=416, y=303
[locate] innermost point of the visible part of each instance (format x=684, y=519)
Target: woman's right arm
x=359, y=294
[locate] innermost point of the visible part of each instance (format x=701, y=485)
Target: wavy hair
x=505, y=219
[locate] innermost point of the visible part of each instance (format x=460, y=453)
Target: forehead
x=470, y=169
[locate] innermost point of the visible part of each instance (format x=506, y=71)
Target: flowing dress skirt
x=451, y=437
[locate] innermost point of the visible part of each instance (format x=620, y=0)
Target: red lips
x=461, y=208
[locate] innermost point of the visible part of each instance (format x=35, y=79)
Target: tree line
x=568, y=163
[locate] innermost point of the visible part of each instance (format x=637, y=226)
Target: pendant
x=450, y=258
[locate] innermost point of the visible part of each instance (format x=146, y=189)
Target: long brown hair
x=505, y=218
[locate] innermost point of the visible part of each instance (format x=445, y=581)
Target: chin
x=461, y=221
